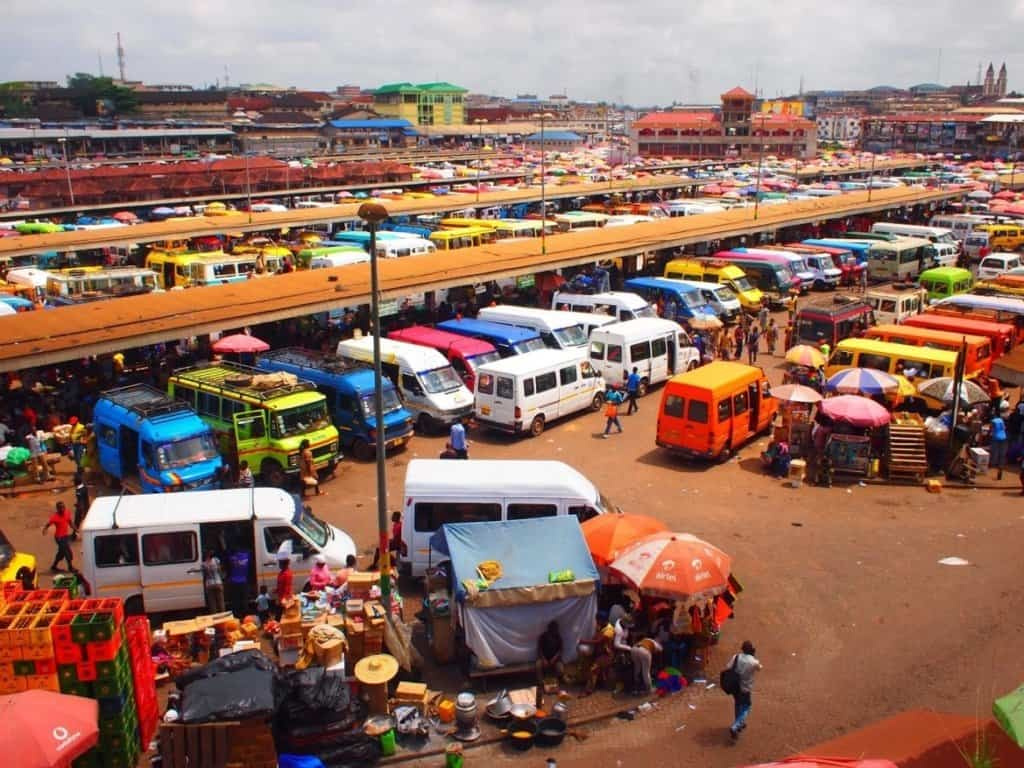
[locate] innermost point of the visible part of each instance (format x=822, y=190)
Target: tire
x=423, y=424
x=597, y=402
x=692, y=365
x=819, y=285
x=273, y=474
x=725, y=455
x=536, y=426
x=642, y=389
x=134, y=606
x=363, y=451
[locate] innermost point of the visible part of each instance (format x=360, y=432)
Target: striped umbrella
x=806, y=355
x=862, y=381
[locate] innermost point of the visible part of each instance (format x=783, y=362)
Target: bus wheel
x=133, y=606
x=642, y=389
x=725, y=455
x=362, y=450
x=536, y=426
x=423, y=424
x=597, y=402
x=692, y=365
x=272, y=473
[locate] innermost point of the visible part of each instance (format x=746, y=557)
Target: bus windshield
x=571, y=336
x=181, y=453
x=299, y=420
x=742, y=283
x=691, y=299
x=530, y=345
x=317, y=531
x=484, y=358
x=391, y=403
x=646, y=311
x=440, y=380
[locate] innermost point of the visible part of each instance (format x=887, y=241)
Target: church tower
x=1001, y=81
x=989, y=88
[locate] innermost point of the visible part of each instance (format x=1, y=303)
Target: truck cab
x=151, y=443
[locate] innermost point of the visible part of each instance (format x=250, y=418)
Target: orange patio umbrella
x=607, y=535
x=675, y=566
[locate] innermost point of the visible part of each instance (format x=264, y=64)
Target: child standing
x=263, y=605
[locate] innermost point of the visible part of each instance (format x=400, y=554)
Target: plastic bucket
x=387, y=743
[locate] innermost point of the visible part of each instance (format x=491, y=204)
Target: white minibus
x=932, y=234
x=439, y=492
x=559, y=330
x=427, y=383
x=148, y=549
x=621, y=304
x=657, y=348
x=526, y=392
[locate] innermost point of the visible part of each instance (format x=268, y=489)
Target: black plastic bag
x=233, y=687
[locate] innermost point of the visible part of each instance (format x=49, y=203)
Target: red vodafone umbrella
x=676, y=566
x=240, y=344
x=42, y=729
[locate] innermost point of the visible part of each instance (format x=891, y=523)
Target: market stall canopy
x=607, y=534
x=862, y=381
x=676, y=566
x=45, y=729
x=240, y=344
x=856, y=411
x=1009, y=713
x=942, y=389
x=806, y=355
x=795, y=393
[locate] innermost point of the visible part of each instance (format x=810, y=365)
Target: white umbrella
x=942, y=389
x=980, y=194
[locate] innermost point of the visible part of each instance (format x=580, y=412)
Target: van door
x=412, y=392
x=503, y=405
x=572, y=395
x=115, y=559
x=171, y=575
x=270, y=536
x=250, y=434
x=660, y=346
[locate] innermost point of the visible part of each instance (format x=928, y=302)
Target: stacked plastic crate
x=139, y=638
x=26, y=653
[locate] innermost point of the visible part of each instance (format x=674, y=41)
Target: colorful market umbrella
x=46, y=729
x=795, y=393
x=862, y=381
x=806, y=355
x=1009, y=713
x=240, y=344
x=675, y=566
x=855, y=410
x=942, y=389
x=607, y=534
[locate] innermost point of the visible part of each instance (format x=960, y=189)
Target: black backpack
x=729, y=678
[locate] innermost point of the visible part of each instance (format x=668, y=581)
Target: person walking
x=214, y=583
x=771, y=336
x=746, y=664
x=762, y=315
x=864, y=279
x=998, y=442
x=238, y=581
x=62, y=529
x=753, y=342
x=611, y=413
x=632, y=391
x=457, y=438
x=81, y=499
x=738, y=337
x=307, y=469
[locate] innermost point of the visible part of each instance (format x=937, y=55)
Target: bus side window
x=583, y=513
x=251, y=427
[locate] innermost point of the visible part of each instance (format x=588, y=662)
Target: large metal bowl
x=523, y=711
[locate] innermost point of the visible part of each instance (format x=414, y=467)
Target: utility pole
x=120, y=57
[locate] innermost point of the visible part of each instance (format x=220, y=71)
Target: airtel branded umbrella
x=240, y=344
x=862, y=381
x=607, y=535
x=47, y=730
x=675, y=566
x=856, y=411
x=795, y=393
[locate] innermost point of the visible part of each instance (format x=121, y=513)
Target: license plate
x=485, y=410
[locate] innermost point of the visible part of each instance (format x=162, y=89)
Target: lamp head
x=373, y=213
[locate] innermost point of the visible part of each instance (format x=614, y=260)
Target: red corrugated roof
x=737, y=93
x=677, y=118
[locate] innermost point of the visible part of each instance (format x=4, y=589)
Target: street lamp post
x=871, y=178
x=248, y=181
x=479, y=123
x=760, y=165
x=67, y=168
x=373, y=214
x=544, y=116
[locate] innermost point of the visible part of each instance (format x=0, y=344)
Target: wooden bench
x=481, y=674
x=196, y=746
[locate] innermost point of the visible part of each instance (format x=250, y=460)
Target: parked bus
x=464, y=353
x=720, y=298
x=1003, y=237
x=621, y=304
x=1000, y=335
x=859, y=248
x=462, y=237
x=843, y=259
x=931, y=234
x=349, y=390
x=574, y=221
x=711, y=271
x=674, y=299
x=960, y=225
x=822, y=270
x=999, y=308
x=833, y=323
x=507, y=339
x=900, y=259
x=557, y=329
x=979, y=348
x=941, y=282
x=797, y=266
x=150, y=443
x=331, y=256
x=76, y=286
x=773, y=275
x=911, y=361
x=260, y=421
x=894, y=306
x=394, y=246
x=711, y=411
x=504, y=229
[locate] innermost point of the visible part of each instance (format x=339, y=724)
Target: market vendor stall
x=795, y=411
x=850, y=450
x=512, y=579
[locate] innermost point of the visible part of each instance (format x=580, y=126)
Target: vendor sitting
x=549, y=653
x=777, y=458
x=320, y=576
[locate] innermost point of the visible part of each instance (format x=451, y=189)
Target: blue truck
x=349, y=391
x=151, y=443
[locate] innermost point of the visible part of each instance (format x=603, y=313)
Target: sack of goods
x=265, y=381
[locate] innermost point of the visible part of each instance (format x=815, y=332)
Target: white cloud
x=651, y=51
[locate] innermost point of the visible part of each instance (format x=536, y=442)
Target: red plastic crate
x=86, y=671
x=114, y=606
x=67, y=653
x=14, y=608
x=46, y=667
x=60, y=630
x=103, y=650
x=91, y=605
x=74, y=606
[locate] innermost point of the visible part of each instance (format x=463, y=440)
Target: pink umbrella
x=240, y=344
x=855, y=410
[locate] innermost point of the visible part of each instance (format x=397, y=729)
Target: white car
x=996, y=264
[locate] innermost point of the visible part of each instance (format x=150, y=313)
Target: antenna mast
x=120, y=57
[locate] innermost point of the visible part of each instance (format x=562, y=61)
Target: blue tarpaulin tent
x=503, y=621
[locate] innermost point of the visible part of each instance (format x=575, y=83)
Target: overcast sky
x=641, y=52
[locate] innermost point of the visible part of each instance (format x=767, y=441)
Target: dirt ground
x=852, y=615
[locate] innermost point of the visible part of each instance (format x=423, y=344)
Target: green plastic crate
x=114, y=669
x=24, y=668
x=120, y=683
x=75, y=688
x=102, y=627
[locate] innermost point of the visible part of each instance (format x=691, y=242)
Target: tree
x=96, y=96
x=12, y=100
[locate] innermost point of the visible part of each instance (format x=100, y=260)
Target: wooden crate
x=196, y=746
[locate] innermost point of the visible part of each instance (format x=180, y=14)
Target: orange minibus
x=979, y=348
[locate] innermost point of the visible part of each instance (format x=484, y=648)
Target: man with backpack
x=737, y=680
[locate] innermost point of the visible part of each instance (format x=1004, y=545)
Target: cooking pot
x=523, y=711
x=522, y=734
x=550, y=732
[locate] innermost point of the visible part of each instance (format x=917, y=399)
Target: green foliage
x=99, y=96
x=11, y=101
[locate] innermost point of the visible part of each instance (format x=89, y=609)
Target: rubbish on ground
x=953, y=561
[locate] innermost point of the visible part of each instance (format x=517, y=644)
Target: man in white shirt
x=640, y=656
x=746, y=665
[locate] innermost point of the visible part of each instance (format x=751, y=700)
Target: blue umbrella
x=861, y=381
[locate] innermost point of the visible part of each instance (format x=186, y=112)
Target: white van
x=329, y=260
x=559, y=330
x=720, y=298
x=429, y=386
x=944, y=254
x=148, y=549
x=657, y=348
x=895, y=306
x=961, y=225
x=932, y=234
x=439, y=492
x=621, y=304
x=996, y=264
x=526, y=392
x=976, y=245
